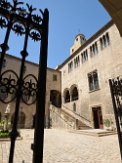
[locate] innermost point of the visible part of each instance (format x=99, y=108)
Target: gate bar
x=116, y=117
x=40, y=109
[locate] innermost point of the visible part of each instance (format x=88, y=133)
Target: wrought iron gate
x=116, y=94
x=20, y=18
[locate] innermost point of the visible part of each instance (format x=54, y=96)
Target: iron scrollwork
x=3, y=22
x=22, y=20
x=117, y=86
x=8, y=86
x=20, y=17
x=35, y=35
x=18, y=28
x=29, y=89
x=5, y=5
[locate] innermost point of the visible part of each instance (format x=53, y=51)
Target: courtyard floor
x=61, y=146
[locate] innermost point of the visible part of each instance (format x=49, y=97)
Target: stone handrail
x=76, y=116
x=54, y=108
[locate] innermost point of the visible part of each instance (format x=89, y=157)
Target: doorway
x=97, y=117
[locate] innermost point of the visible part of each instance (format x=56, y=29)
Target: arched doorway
x=55, y=98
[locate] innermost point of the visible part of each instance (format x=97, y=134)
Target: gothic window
x=70, y=66
x=74, y=94
x=76, y=62
x=104, y=41
x=66, y=96
x=96, y=48
x=93, y=49
x=84, y=56
x=93, y=81
x=107, y=38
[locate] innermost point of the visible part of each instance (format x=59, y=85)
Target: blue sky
x=67, y=19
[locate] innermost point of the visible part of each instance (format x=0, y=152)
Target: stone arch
x=74, y=93
x=55, y=98
x=21, y=119
x=66, y=96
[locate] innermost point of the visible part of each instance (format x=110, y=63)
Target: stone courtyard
x=65, y=147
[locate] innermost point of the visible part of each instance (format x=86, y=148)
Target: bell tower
x=78, y=42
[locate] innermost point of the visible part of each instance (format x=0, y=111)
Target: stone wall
x=107, y=62
x=13, y=63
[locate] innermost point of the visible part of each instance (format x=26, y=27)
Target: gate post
x=119, y=132
x=40, y=109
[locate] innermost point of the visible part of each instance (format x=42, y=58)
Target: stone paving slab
x=61, y=146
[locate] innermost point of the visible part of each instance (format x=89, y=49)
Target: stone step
x=94, y=132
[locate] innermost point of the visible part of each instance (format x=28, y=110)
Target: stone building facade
x=27, y=113
x=77, y=91
x=85, y=75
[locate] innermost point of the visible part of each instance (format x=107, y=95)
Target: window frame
x=54, y=77
x=93, y=81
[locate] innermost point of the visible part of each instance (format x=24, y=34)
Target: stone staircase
x=82, y=121
x=65, y=118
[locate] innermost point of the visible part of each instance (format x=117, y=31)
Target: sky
x=67, y=18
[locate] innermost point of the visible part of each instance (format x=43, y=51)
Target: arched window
x=66, y=96
x=74, y=94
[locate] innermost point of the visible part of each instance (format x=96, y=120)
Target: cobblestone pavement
x=64, y=147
